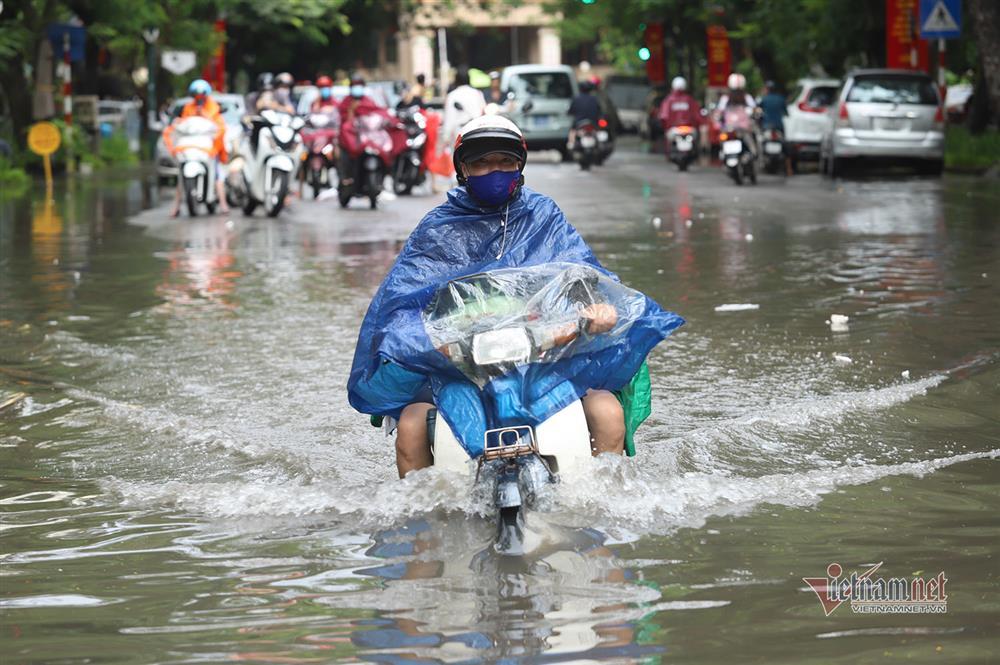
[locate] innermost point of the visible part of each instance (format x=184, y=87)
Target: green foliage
x=13, y=179
x=966, y=151
x=114, y=150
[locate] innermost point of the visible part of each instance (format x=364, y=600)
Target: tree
x=986, y=27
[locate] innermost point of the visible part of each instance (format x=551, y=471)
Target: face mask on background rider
x=493, y=178
x=326, y=93
x=200, y=99
x=357, y=91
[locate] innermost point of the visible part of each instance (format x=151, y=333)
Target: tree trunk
x=18, y=94
x=985, y=26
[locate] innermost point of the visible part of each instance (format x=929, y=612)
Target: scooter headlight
x=500, y=346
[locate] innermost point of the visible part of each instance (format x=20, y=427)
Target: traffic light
x=643, y=54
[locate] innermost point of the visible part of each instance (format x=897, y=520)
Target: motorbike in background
x=269, y=156
x=362, y=174
x=773, y=141
x=408, y=170
x=320, y=139
x=195, y=148
x=586, y=143
x=682, y=148
x=738, y=156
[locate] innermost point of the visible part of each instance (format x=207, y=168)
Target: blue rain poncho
x=396, y=359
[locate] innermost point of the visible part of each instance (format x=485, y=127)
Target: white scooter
x=270, y=155
x=518, y=461
x=194, y=149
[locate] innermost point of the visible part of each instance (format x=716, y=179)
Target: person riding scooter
x=736, y=107
x=202, y=105
x=679, y=109
x=356, y=105
x=584, y=107
x=490, y=221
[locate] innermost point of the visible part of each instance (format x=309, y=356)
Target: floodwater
x=183, y=480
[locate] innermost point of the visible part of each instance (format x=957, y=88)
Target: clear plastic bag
x=488, y=324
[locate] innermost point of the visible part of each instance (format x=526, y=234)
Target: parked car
x=886, y=114
x=807, y=117
x=542, y=95
x=233, y=109
x=628, y=94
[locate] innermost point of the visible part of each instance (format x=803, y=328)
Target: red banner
x=903, y=47
x=720, y=58
x=215, y=70
x=656, y=66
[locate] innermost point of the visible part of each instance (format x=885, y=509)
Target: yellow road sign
x=43, y=138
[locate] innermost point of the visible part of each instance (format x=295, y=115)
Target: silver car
x=541, y=99
x=885, y=113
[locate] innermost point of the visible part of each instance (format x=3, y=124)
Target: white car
x=233, y=109
x=807, y=117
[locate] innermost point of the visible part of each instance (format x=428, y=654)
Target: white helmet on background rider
x=487, y=134
x=736, y=81
x=678, y=84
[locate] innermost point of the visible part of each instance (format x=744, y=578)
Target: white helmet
x=736, y=81
x=487, y=134
x=678, y=83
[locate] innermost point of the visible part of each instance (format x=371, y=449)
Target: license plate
x=541, y=121
x=684, y=145
x=889, y=123
x=732, y=147
x=371, y=163
x=602, y=136
x=772, y=148
x=588, y=141
x=731, y=161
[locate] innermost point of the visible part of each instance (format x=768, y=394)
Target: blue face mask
x=357, y=91
x=493, y=188
x=325, y=93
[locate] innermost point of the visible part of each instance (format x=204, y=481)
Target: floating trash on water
x=656, y=222
x=736, y=307
x=688, y=223
x=838, y=322
x=749, y=237
x=905, y=374
x=846, y=360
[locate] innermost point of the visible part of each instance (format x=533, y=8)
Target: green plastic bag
x=637, y=401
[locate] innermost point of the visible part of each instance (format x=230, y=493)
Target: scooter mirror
x=527, y=106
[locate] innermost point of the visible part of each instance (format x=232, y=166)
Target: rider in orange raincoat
x=202, y=105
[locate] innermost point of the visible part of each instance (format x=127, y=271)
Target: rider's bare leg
x=606, y=421
x=176, y=210
x=413, y=450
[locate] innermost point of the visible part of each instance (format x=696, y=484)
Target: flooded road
x=183, y=480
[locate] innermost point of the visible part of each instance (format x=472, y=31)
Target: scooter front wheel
x=276, y=197
x=191, y=195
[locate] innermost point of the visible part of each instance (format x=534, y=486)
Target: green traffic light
x=644, y=54
x=588, y=2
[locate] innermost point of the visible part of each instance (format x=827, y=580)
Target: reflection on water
x=182, y=476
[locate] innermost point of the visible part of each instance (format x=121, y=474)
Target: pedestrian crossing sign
x=940, y=19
